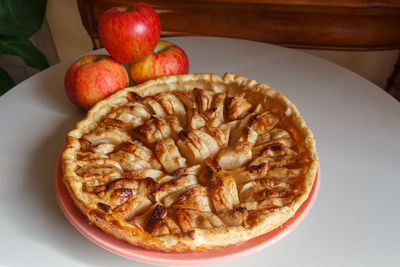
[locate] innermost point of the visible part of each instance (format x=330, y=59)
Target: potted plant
x=19, y=20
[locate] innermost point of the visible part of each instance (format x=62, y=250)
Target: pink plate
x=127, y=250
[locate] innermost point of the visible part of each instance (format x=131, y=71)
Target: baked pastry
x=190, y=162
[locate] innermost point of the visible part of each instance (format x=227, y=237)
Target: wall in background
x=71, y=40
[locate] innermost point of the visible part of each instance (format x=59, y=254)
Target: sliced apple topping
x=168, y=155
x=276, y=135
x=108, y=134
x=248, y=173
x=174, y=185
x=199, y=144
x=211, y=144
x=278, y=155
x=144, y=173
x=282, y=172
x=188, y=219
x=215, y=113
x=155, y=107
x=134, y=156
x=222, y=186
x=172, y=105
x=152, y=221
x=96, y=177
x=144, y=187
x=187, y=99
x=156, y=129
x=101, y=148
x=264, y=122
x=220, y=134
x=240, y=153
x=196, y=198
x=133, y=114
x=269, y=203
x=90, y=167
x=195, y=120
x=192, y=147
x=238, y=126
x=135, y=206
x=204, y=99
x=192, y=170
x=264, y=188
x=235, y=217
x=87, y=156
x=237, y=107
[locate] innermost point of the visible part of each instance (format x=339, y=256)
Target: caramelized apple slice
x=215, y=114
x=220, y=134
x=155, y=107
x=188, y=219
x=222, y=187
x=133, y=114
x=195, y=120
x=187, y=99
x=144, y=173
x=107, y=134
x=144, y=187
x=212, y=145
x=192, y=147
x=204, y=99
x=237, y=155
x=196, y=198
x=248, y=173
x=134, y=156
x=101, y=148
x=174, y=185
x=278, y=155
x=264, y=122
x=135, y=206
x=237, y=107
x=239, y=126
x=260, y=189
x=276, y=135
x=152, y=221
x=193, y=170
x=269, y=203
x=235, y=217
x=172, y=105
x=168, y=155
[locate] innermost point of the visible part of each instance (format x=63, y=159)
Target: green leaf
x=21, y=17
x=23, y=48
x=6, y=82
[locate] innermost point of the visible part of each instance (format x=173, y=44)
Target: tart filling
x=190, y=162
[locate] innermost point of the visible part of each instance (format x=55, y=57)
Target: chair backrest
x=317, y=24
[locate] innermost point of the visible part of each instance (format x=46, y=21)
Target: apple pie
x=190, y=162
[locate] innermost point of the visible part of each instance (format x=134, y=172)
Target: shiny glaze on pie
x=190, y=162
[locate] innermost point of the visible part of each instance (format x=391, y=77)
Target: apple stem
x=125, y=9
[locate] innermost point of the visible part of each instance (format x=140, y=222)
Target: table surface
x=354, y=222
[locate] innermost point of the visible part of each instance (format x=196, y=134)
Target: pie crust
x=190, y=162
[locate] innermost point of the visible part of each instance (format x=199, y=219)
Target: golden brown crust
x=156, y=198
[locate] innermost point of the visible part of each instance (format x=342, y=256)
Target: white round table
x=354, y=222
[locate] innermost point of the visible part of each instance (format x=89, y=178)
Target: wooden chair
x=353, y=25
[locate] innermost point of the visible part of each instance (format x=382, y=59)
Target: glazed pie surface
x=190, y=162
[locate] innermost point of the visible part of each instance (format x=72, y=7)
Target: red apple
x=93, y=78
x=129, y=33
x=167, y=59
